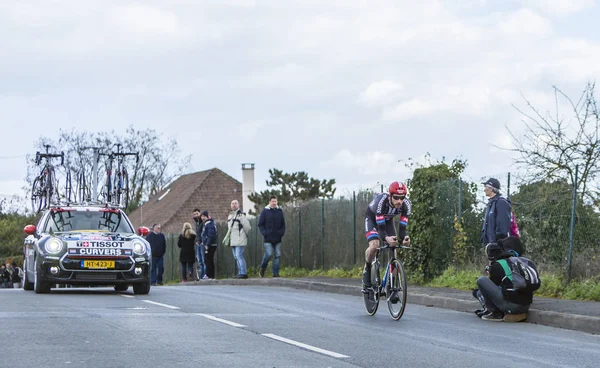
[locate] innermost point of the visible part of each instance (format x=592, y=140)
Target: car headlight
x=139, y=247
x=53, y=245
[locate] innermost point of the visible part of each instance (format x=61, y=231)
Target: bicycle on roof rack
x=393, y=286
x=83, y=189
x=44, y=190
x=116, y=186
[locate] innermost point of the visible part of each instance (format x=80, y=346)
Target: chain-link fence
x=328, y=233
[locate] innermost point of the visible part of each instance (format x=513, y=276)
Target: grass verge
x=553, y=285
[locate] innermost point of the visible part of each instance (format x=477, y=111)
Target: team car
x=86, y=246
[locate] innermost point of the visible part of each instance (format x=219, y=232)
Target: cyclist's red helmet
x=398, y=188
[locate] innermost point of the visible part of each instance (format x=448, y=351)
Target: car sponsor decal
x=99, y=252
x=94, y=237
x=100, y=244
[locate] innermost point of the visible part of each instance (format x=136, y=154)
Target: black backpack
x=521, y=274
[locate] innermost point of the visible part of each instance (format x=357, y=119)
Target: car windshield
x=105, y=221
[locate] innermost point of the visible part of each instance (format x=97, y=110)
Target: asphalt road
x=258, y=326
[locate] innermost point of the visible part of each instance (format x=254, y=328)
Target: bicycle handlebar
x=39, y=156
x=387, y=246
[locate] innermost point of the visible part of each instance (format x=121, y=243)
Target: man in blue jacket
x=496, y=221
x=272, y=227
x=209, y=241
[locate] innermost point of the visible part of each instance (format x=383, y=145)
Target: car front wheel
x=141, y=289
x=39, y=286
x=26, y=284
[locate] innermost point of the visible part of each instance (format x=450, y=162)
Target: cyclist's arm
x=403, y=222
x=381, y=223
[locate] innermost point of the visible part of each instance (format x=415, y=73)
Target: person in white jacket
x=239, y=227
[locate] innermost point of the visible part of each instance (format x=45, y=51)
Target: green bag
x=227, y=239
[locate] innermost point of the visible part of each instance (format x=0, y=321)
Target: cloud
x=558, y=7
x=525, y=22
x=280, y=79
x=365, y=163
x=381, y=92
x=143, y=19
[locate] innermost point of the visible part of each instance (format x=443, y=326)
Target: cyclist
x=379, y=223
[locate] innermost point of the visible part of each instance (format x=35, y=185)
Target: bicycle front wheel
x=396, y=290
x=371, y=295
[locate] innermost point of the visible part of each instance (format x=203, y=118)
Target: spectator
x=496, y=221
x=200, y=249
x=209, y=241
x=16, y=275
x=158, y=244
x=4, y=277
x=186, y=241
x=499, y=300
x=239, y=227
x=272, y=227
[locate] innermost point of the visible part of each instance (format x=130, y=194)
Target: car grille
x=95, y=276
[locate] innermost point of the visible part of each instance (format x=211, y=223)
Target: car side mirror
x=29, y=229
x=143, y=231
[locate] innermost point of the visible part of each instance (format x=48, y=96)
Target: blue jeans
x=238, y=254
x=158, y=268
x=275, y=251
x=200, y=249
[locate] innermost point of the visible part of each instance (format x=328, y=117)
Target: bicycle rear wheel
x=125, y=188
x=371, y=295
x=83, y=192
x=396, y=290
x=69, y=188
x=36, y=195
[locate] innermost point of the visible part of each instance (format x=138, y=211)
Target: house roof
x=178, y=196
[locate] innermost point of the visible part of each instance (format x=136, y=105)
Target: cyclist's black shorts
x=371, y=228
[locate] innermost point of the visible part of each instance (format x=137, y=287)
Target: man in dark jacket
x=499, y=302
x=209, y=241
x=272, y=227
x=200, y=250
x=158, y=245
x=496, y=221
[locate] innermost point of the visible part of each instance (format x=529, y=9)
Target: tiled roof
x=210, y=190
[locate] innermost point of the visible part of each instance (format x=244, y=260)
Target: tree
x=11, y=231
x=295, y=187
x=552, y=145
x=159, y=161
x=434, y=194
x=543, y=211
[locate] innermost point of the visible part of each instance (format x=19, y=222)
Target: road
x=259, y=326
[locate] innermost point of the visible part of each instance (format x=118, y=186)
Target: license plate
x=98, y=264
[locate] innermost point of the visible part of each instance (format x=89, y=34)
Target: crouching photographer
x=508, y=291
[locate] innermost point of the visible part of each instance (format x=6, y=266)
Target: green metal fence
x=560, y=235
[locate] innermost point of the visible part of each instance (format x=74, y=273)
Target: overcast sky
x=341, y=88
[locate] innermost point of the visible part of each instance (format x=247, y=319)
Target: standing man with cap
x=496, y=221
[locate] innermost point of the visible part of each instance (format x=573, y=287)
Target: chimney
x=247, y=186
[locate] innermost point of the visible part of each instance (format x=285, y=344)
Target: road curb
x=576, y=322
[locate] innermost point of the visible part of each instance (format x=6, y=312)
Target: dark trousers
x=494, y=300
x=187, y=270
x=210, y=261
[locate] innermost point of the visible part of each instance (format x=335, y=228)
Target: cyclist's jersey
x=379, y=217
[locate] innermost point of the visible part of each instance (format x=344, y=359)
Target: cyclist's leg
x=371, y=252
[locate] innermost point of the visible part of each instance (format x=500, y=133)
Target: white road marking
x=220, y=320
x=305, y=346
x=127, y=296
x=161, y=304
